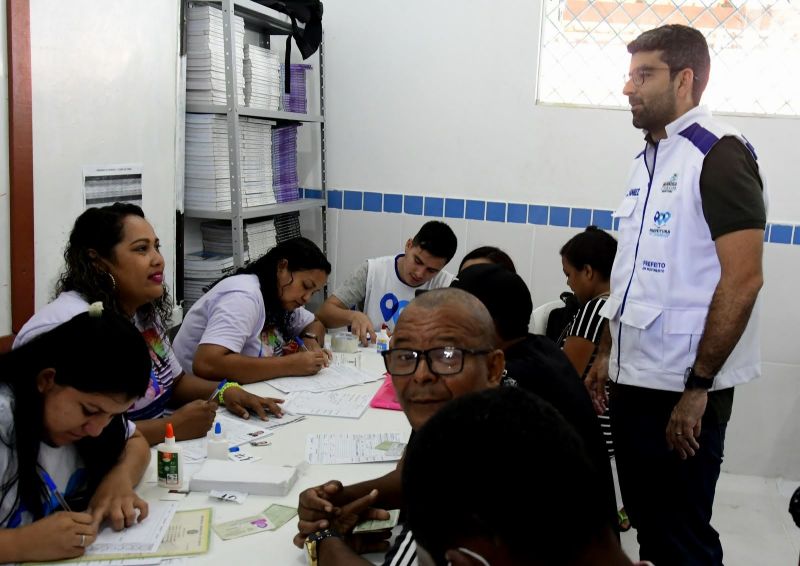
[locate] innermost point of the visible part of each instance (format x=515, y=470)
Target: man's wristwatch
x=313, y=541
x=693, y=381
x=309, y=335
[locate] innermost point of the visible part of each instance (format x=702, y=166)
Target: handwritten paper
x=328, y=379
x=141, y=537
x=349, y=448
x=327, y=404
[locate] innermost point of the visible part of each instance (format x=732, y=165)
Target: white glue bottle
x=169, y=463
x=382, y=340
x=217, y=444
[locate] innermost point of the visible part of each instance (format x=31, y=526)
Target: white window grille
x=755, y=50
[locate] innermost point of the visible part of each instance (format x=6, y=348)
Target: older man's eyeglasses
x=444, y=361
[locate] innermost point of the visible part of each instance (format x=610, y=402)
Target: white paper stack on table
x=205, y=56
x=201, y=269
x=207, y=176
x=262, y=78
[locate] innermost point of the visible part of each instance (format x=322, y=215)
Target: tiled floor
x=751, y=516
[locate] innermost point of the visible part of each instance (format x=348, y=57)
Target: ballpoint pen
x=217, y=390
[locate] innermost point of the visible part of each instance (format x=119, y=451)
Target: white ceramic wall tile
x=363, y=235
x=547, y=276
x=779, y=312
x=514, y=239
x=763, y=433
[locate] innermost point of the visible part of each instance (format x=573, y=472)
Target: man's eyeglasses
x=639, y=75
x=444, y=361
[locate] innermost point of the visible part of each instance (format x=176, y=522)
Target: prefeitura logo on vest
x=671, y=185
x=660, y=230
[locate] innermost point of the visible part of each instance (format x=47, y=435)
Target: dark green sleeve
x=731, y=190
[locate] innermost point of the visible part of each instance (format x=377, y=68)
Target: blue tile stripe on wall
x=497, y=211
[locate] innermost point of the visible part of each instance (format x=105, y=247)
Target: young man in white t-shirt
x=380, y=288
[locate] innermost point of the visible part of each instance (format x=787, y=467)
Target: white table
x=288, y=448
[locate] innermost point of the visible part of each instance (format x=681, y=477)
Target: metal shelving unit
x=272, y=23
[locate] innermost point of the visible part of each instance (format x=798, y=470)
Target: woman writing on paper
x=247, y=323
x=113, y=256
x=64, y=440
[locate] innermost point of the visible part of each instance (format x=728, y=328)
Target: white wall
x=104, y=91
x=424, y=98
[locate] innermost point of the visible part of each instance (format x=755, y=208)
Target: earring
x=113, y=281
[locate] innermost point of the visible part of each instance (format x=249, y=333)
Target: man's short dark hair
x=465, y=476
x=505, y=295
x=437, y=238
x=682, y=47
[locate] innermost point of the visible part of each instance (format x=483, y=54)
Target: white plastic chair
x=541, y=314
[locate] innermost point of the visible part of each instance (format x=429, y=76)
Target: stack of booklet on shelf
x=287, y=226
x=207, y=178
x=262, y=80
x=284, y=163
x=201, y=269
x=205, y=56
x=295, y=100
x=259, y=237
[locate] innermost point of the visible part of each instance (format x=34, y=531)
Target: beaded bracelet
x=225, y=388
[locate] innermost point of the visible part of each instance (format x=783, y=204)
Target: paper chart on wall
x=328, y=379
x=350, y=448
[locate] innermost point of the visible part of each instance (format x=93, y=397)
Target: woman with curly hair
x=113, y=256
x=246, y=323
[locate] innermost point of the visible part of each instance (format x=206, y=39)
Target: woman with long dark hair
x=64, y=440
x=247, y=322
x=113, y=256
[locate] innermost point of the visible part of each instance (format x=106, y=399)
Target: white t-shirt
x=165, y=369
x=232, y=315
x=62, y=464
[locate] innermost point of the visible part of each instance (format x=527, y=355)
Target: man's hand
x=361, y=326
x=361, y=510
x=595, y=383
x=316, y=508
x=684, y=425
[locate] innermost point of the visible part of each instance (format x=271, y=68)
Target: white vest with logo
x=387, y=295
x=666, y=268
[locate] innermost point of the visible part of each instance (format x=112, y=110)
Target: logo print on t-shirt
x=391, y=307
x=660, y=229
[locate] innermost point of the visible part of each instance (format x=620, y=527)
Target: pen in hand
x=217, y=390
x=301, y=343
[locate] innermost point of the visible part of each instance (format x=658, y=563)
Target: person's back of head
x=484, y=497
x=487, y=254
x=436, y=238
x=504, y=294
x=682, y=47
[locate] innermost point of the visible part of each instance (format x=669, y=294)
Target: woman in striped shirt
x=587, y=259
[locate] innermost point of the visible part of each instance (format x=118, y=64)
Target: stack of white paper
x=261, y=78
x=201, y=269
x=205, y=56
x=207, y=176
x=259, y=238
x=255, y=479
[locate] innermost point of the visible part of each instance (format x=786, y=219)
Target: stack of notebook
x=294, y=100
x=284, y=163
x=207, y=179
x=205, y=56
x=262, y=81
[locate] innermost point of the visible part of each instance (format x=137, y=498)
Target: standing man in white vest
x=377, y=292
x=683, y=311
